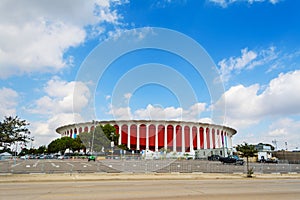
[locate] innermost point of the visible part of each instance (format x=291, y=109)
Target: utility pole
x=275, y=143
x=286, y=146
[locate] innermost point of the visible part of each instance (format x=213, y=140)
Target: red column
x=213, y=138
x=207, y=138
x=117, y=129
x=194, y=136
x=222, y=138
x=117, y=132
x=170, y=137
x=142, y=136
x=187, y=138
x=133, y=136
x=201, y=138
x=161, y=138
x=92, y=128
x=178, y=138
x=124, y=134
x=218, y=138
x=151, y=133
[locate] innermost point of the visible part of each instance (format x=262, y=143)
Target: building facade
x=176, y=136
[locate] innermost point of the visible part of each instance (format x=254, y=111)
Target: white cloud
x=236, y=64
x=246, y=106
x=120, y=112
x=247, y=60
x=138, y=34
x=156, y=112
x=222, y=3
x=285, y=130
x=166, y=3
x=226, y=3
x=278, y=132
x=274, y=1
x=127, y=96
x=36, y=35
x=9, y=102
x=56, y=108
x=44, y=131
x=60, y=97
x=59, y=107
x=194, y=112
x=241, y=106
x=283, y=94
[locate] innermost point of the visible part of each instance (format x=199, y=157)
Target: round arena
x=176, y=136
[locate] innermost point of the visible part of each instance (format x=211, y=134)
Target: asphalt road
x=153, y=189
x=137, y=166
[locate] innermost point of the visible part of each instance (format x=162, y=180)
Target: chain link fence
x=140, y=166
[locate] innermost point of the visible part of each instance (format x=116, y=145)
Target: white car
x=24, y=157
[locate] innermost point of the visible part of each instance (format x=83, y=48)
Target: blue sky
x=45, y=51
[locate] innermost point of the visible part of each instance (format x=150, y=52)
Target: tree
x=61, y=144
x=24, y=151
x=110, y=133
x=123, y=147
x=77, y=144
x=99, y=139
x=42, y=149
x=53, y=147
x=13, y=130
x=247, y=150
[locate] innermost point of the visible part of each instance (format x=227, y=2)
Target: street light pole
x=31, y=140
x=112, y=144
x=16, y=149
x=93, y=137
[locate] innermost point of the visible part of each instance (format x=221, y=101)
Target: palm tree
x=247, y=150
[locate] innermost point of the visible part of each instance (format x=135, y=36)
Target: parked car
x=63, y=157
x=232, y=159
x=41, y=157
x=91, y=158
x=213, y=157
x=269, y=160
x=24, y=157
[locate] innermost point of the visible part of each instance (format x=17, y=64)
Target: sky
x=230, y=62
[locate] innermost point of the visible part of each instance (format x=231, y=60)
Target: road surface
x=153, y=189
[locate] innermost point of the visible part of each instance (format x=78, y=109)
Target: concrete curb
x=19, y=178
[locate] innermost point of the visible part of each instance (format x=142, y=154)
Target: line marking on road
x=86, y=164
x=70, y=164
x=35, y=164
x=54, y=165
x=14, y=165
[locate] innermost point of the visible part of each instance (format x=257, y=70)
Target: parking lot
x=138, y=166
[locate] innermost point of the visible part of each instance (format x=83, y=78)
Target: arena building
x=176, y=136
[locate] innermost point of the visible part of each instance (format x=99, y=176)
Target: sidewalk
x=14, y=178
